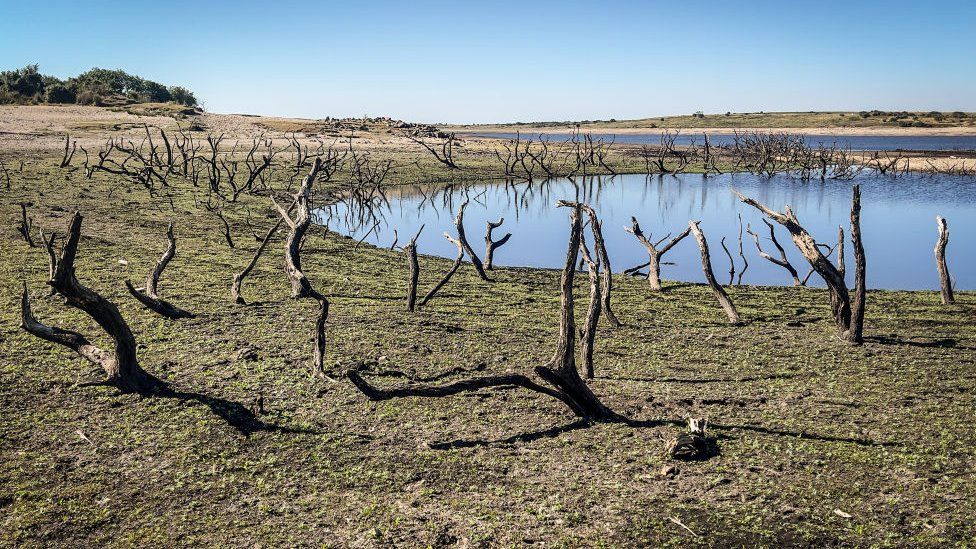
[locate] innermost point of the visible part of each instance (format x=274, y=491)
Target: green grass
x=805, y=424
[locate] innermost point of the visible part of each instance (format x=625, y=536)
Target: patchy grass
x=805, y=424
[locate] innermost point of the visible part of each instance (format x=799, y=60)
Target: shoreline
x=880, y=131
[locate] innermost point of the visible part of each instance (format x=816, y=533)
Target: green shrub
x=59, y=93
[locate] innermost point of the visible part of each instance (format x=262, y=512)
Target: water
x=897, y=222
x=854, y=142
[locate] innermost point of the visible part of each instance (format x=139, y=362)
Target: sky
x=467, y=61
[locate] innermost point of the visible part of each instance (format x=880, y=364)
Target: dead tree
x=745, y=262
x=840, y=299
x=459, y=225
x=411, y=250
x=150, y=298
x=6, y=174
x=446, y=154
x=602, y=257
x=783, y=261
x=720, y=295
x=654, y=253
x=940, y=261
x=492, y=245
x=450, y=272
x=26, y=226
x=235, y=289
x=840, y=251
x=856, y=333
x=560, y=372
x=68, y=154
x=587, y=334
x=120, y=364
x=731, y=261
x=300, y=285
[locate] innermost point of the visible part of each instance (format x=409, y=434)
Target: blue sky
x=468, y=61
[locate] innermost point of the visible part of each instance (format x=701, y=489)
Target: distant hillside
x=27, y=86
x=862, y=119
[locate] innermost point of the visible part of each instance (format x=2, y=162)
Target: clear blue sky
x=469, y=61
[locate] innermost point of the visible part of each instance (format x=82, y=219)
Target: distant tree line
x=94, y=87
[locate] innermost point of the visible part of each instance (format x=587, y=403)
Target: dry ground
x=821, y=443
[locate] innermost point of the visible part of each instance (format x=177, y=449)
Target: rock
x=669, y=471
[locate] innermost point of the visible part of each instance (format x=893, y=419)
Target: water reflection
x=898, y=221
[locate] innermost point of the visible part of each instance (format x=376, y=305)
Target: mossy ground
x=805, y=424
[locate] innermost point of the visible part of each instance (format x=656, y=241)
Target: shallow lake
x=897, y=221
x=854, y=142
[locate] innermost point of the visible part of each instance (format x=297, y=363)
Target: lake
x=854, y=142
x=897, y=222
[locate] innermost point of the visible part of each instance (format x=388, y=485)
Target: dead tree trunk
x=411, y=249
x=68, y=154
x=120, y=365
x=588, y=333
x=492, y=245
x=603, y=258
x=855, y=334
x=150, y=299
x=459, y=224
x=940, y=261
x=840, y=301
x=720, y=295
x=26, y=226
x=300, y=285
x=731, y=261
x=783, y=261
x=235, y=288
x=450, y=272
x=841, y=268
x=560, y=371
x=654, y=253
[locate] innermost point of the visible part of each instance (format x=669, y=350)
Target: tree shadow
x=769, y=377
x=530, y=436
x=945, y=342
x=427, y=379
x=804, y=435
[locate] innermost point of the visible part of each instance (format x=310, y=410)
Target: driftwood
x=940, y=261
x=235, y=288
x=120, y=364
x=150, y=298
x=720, y=295
x=654, y=253
x=492, y=245
x=559, y=372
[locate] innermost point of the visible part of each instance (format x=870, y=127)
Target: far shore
x=879, y=130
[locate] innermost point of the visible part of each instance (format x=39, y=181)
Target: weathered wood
x=731, y=261
x=654, y=253
x=459, y=224
x=720, y=295
x=300, y=286
x=235, y=288
x=120, y=365
x=602, y=257
x=940, y=261
x=841, y=268
x=588, y=333
x=783, y=260
x=26, y=226
x=855, y=333
x=492, y=245
x=840, y=303
x=150, y=298
x=414, y=270
x=450, y=272
x=153, y=279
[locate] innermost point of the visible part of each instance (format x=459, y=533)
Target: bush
x=59, y=93
x=182, y=96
